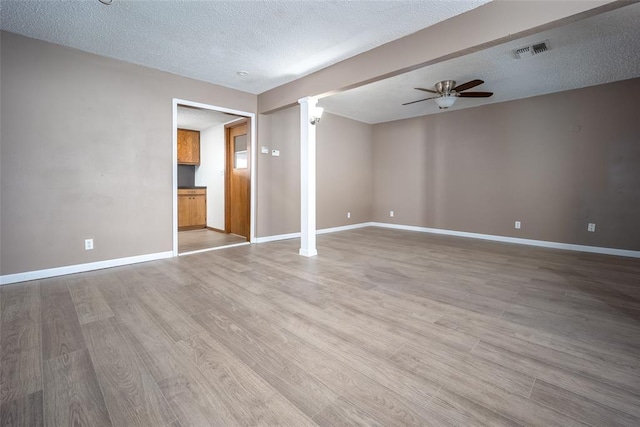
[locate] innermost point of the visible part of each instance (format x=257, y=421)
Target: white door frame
x=252, y=117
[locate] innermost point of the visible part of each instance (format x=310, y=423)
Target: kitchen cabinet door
x=192, y=208
x=188, y=147
x=184, y=205
x=198, y=211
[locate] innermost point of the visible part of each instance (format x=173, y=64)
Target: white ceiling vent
x=535, y=49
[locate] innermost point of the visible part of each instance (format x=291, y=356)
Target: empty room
x=387, y=213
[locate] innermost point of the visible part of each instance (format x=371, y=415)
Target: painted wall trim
x=277, y=237
x=80, y=268
x=288, y=236
x=217, y=248
x=344, y=228
x=517, y=240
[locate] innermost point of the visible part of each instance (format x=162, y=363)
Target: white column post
x=307, y=178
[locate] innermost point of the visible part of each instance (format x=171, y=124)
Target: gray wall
x=279, y=177
x=554, y=162
x=344, y=172
x=86, y=152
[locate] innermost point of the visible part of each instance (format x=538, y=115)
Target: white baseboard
x=519, y=241
x=71, y=269
x=80, y=268
x=233, y=245
x=344, y=228
x=277, y=237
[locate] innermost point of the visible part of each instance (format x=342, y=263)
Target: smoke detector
x=531, y=50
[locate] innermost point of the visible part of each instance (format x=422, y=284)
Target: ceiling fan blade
x=420, y=100
x=426, y=90
x=468, y=85
x=475, y=94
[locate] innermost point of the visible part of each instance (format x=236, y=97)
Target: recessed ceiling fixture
x=107, y=2
x=242, y=73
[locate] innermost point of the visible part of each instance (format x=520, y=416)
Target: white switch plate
x=348, y=214
x=275, y=153
x=591, y=227
x=88, y=244
x=391, y=213
x=518, y=224
x=264, y=150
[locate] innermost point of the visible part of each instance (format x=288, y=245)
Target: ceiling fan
x=447, y=92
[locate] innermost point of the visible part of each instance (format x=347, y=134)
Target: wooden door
x=238, y=179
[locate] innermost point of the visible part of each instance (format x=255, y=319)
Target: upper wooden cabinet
x=188, y=147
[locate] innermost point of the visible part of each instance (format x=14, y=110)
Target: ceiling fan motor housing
x=445, y=87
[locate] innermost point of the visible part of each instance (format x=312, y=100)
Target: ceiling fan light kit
x=447, y=92
x=445, y=101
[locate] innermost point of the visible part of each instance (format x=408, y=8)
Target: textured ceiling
x=597, y=50
x=275, y=41
x=200, y=119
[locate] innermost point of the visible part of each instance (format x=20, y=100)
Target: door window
x=240, y=152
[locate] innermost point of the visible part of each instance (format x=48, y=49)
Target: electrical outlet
x=391, y=214
x=591, y=227
x=518, y=224
x=88, y=244
x=275, y=153
x=348, y=214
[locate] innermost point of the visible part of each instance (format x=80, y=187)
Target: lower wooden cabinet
x=192, y=208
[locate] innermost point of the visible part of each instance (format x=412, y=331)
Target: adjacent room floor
x=384, y=327
x=204, y=238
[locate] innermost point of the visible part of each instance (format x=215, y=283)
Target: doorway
x=209, y=174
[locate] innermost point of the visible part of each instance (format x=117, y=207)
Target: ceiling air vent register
x=528, y=51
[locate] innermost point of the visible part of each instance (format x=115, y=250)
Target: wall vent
x=528, y=51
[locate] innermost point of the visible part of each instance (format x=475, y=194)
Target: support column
x=307, y=178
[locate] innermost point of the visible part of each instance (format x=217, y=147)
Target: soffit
x=201, y=119
x=597, y=50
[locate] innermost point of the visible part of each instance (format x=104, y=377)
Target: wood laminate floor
x=195, y=240
x=384, y=327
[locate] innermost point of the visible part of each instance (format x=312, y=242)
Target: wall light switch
x=88, y=244
x=391, y=213
x=348, y=214
x=264, y=150
x=275, y=153
x=591, y=227
x=518, y=224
